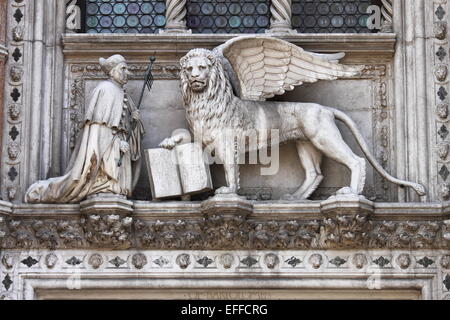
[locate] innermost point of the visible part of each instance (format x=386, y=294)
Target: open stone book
x=178, y=172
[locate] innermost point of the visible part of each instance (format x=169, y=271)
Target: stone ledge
x=88, y=47
x=229, y=223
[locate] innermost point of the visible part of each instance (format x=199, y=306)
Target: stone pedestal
x=106, y=203
x=227, y=205
x=346, y=204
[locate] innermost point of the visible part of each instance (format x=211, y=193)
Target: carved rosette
x=175, y=17
x=281, y=14
x=387, y=12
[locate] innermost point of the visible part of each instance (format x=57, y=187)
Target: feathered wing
x=261, y=66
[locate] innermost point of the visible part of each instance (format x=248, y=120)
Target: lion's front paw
x=225, y=190
x=345, y=191
x=168, y=143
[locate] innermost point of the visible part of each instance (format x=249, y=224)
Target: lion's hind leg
x=310, y=159
x=330, y=142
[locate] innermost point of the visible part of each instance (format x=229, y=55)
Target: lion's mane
x=216, y=105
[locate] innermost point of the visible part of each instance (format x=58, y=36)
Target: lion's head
x=196, y=68
x=207, y=91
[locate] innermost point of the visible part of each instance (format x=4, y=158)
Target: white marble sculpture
x=107, y=156
x=257, y=68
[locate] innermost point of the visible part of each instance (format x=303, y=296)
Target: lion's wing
x=265, y=66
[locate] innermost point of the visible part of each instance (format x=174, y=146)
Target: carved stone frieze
x=107, y=230
x=223, y=232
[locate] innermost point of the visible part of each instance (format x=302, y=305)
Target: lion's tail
x=364, y=147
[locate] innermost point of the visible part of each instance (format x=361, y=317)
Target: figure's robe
x=97, y=165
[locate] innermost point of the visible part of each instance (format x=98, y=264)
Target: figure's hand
x=136, y=115
x=124, y=146
x=168, y=143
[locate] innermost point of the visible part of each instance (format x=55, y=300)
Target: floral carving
x=109, y=231
x=316, y=260
x=183, y=260
x=95, y=260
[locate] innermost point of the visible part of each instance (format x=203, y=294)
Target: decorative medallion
x=117, y=262
x=442, y=150
x=29, y=261
x=359, y=260
x=447, y=282
x=316, y=260
x=226, y=260
x=271, y=260
x=95, y=260
x=183, y=260
x=404, y=260
x=139, y=260
x=50, y=260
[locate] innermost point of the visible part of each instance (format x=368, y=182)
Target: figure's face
x=197, y=70
x=120, y=73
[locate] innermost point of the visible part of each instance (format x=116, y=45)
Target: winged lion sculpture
x=226, y=89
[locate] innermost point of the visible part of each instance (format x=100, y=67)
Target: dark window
x=228, y=16
x=330, y=16
x=124, y=16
